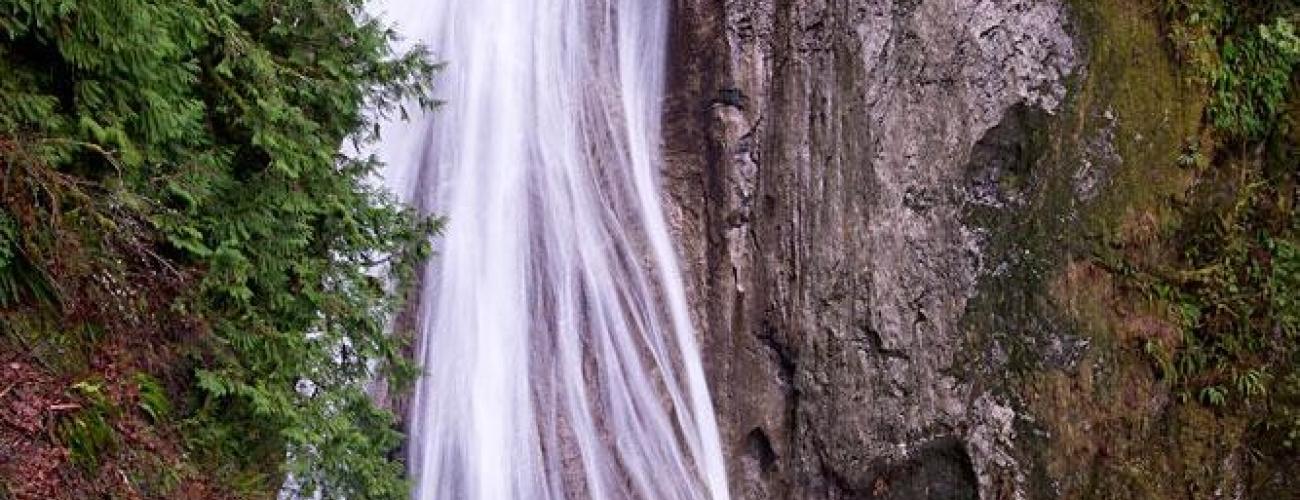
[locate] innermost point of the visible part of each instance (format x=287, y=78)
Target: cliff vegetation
x=1182, y=282
x=194, y=281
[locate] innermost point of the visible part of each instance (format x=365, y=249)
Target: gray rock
x=820, y=157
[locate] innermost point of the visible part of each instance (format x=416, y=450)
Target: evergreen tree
x=193, y=147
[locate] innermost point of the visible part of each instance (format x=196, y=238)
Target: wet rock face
x=820, y=157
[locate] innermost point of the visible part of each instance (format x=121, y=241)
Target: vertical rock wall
x=823, y=156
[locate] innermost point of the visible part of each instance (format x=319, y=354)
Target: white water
x=560, y=357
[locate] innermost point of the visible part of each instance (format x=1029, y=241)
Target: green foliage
x=153, y=397
x=19, y=280
x=1247, y=52
x=201, y=138
x=1235, y=288
x=1251, y=84
x=1286, y=414
x=9, y=280
x=86, y=432
x=1236, y=301
x=227, y=447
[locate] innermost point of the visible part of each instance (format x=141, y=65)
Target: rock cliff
x=885, y=206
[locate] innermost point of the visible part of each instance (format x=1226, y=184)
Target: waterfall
x=559, y=353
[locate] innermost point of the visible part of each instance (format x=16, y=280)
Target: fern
x=200, y=138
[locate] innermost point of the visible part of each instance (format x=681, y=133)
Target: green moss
x=1117, y=428
x=1156, y=112
x=62, y=349
x=1107, y=424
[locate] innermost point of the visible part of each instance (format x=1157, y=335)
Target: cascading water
x=560, y=358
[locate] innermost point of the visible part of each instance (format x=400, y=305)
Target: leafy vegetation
x=171, y=179
x=1246, y=53
x=1234, y=287
x=1236, y=304
x=87, y=433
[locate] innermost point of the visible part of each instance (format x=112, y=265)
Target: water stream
x=561, y=360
